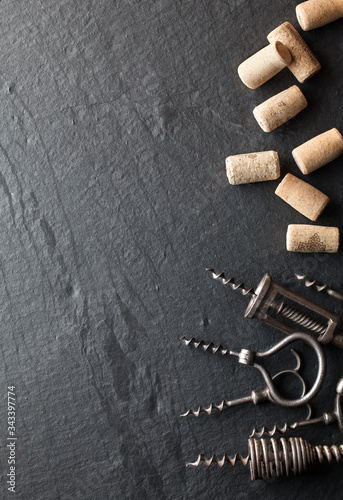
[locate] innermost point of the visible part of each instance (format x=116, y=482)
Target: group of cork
x=288, y=49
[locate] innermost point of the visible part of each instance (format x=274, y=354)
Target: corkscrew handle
x=275, y=396
x=338, y=405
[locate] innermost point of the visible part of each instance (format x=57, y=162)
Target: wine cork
x=318, y=151
x=262, y=66
x=306, y=238
x=316, y=13
x=305, y=198
x=253, y=167
x=280, y=108
x=304, y=64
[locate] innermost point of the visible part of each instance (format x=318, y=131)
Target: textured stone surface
x=115, y=121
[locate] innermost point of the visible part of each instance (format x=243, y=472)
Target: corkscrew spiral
x=267, y=459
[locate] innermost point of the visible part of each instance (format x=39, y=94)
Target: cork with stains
x=280, y=108
x=307, y=238
x=304, y=64
x=305, y=198
x=253, y=167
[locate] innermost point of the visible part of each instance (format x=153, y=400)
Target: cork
x=318, y=151
x=307, y=238
x=305, y=198
x=316, y=13
x=304, y=64
x=262, y=66
x=280, y=108
x=253, y=167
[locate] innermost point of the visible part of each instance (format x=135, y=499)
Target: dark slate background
x=115, y=121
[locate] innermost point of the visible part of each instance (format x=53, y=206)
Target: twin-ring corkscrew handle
x=275, y=396
x=331, y=417
x=249, y=357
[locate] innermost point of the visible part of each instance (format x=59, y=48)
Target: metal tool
x=265, y=307
x=278, y=458
x=335, y=416
x=320, y=288
x=270, y=393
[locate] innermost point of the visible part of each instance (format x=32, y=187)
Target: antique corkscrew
x=278, y=458
x=265, y=307
x=335, y=416
x=270, y=393
x=320, y=288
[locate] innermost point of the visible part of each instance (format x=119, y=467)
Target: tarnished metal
x=320, y=288
x=335, y=416
x=272, y=458
x=270, y=301
x=270, y=393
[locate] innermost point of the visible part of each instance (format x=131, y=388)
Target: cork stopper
x=280, y=108
x=263, y=65
x=316, y=13
x=304, y=64
x=307, y=238
x=318, y=151
x=253, y=167
x=305, y=198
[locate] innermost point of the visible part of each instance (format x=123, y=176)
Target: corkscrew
x=320, y=288
x=294, y=456
x=264, y=307
x=270, y=393
x=335, y=416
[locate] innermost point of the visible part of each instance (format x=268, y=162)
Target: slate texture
x=115, y=121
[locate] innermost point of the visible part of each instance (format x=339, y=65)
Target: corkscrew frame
x=265, y=298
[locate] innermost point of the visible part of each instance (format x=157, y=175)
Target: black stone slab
x=115, y=121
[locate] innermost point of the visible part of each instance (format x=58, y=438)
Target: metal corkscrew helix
x=270, y=393
x=320, y=288
x=263, y=305
x=278, y=458
x=335, y=416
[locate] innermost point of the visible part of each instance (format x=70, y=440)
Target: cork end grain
x=283, y=53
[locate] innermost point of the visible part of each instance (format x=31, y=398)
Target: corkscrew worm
x=277, y=458
x=320, y=288
x=335, y=416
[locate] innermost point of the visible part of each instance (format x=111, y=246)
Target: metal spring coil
x=302, y=319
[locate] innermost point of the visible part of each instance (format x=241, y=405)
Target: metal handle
x=275, y=396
